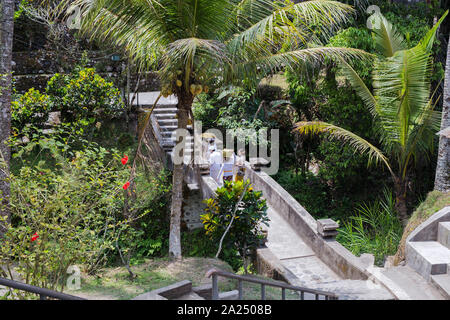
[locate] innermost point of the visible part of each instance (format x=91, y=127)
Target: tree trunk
x=184, y=106
x=6, y=41
x=442, y=180
x=400, y=187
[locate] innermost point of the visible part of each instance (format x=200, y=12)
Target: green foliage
x=360, y=38
x=68, y=191
x=374, y=229
x=245, y=232
x=308, y=190
x=83, y=94
x=31, y=108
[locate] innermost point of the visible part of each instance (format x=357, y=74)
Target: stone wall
x=32, y=69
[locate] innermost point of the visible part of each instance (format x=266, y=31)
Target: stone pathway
x=311, y=272
x=412, y=285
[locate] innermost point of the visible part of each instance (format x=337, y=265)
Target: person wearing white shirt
x=215, y=162
x=229, y=160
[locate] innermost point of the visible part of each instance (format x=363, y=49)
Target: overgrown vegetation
x=374, y=228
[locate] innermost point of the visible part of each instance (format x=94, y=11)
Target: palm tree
x=6, y=43
x=442, y=180
x=202, y=44
x=402, y=107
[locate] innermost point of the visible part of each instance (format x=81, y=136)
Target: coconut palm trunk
x=442, y=180
x=185, y=100
x=400, y=191
x=6, y=41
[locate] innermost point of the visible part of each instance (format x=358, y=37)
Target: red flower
x=34, y=237
x=124, y=160
x=126, y=185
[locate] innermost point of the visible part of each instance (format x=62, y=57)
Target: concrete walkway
x=309, y=270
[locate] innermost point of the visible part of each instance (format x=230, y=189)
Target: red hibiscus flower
x=124, y=160
x=34, y=237
x=126, y=185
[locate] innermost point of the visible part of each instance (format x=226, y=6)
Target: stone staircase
x=164, y=120
x=431, y=259
x=184, y=290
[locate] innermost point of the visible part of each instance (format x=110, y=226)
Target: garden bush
x=244, y=234
x=71, y=205
x=31, y=108
x=84, y=94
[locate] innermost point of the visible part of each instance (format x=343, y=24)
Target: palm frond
x=359, y=144
x=387, y=39
x=402, y=87
x=427, y=42
x=360, y=87
x=259, y=63
x=324, y=13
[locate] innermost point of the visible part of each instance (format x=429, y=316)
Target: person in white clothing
x=229, y=160
x=215, y=162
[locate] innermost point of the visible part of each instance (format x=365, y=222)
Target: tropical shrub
x=71, y=205
x=31, y=108
x=84, y=94
x=375, y=228
x=243, y=218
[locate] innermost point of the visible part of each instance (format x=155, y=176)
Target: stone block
x=204, y=291
x=327, y=228
x=230, y=295
x=442, y=283
x=427, y=258
x=257, y=163
x=444, y=233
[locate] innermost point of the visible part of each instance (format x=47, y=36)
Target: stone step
x=352, y=290
x=165, y=106
x=165, y=116
x=229, y=295
x=189, y=296
x=444, y=233
x=171, y=143
x=427, y=258
x=407, y=284
x=167, y=122
x=164, y=110
x=171, y=135
x=166, y=128
x=147, y=99
x=442, y=283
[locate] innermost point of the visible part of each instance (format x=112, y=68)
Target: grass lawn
x=115, y=283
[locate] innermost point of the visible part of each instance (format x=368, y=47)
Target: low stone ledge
x=428, y=230
x=204, y=291
x=267, y=264
x=167, y=293
x=229, y=295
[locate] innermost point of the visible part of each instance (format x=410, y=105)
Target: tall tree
x=442, y=180
x=402, y=107
x=6, y=41
x=203, y=44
